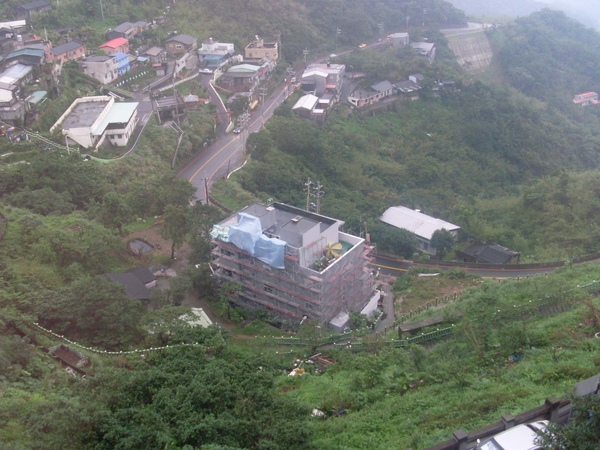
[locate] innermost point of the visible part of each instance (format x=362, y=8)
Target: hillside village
x=153, y=219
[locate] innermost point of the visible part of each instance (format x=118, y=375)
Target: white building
x=212, y=47
x=326, y=78
x=419, y=224
x=90, y=120
x=103, y=68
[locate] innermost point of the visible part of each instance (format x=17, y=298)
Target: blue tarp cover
x=270, y=251
x=247, y=235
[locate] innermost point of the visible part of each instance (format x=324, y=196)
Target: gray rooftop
x=84, y=114
x=288, y=222
x=64, y=48
x=184, y=39
x=99, y=58
x=382, y=86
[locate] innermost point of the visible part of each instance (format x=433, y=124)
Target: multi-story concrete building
x=293, y=263
x=91, y=120
x=103, y=68
x=259, y=49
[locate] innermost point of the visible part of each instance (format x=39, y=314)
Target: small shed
x=488, y=254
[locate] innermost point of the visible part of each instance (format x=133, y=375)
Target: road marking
x=389, y=267
x=211, y=158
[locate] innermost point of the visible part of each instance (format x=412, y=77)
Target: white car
x=521, y=437
x=333, y=55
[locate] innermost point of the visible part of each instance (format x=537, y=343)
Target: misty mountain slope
x=550, y=57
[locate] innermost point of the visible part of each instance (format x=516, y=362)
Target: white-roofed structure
x=90, y=120
x=419, y=224
x=305, y=105
x=16, y=74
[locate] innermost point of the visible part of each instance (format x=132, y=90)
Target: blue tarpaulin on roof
x=270, y=251
x=247, y=235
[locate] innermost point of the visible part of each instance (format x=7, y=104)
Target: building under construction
x=294, y=263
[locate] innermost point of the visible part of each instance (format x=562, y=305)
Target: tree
x=175, y=226
x=113, y=211
x=582, y=432
x=394, y=240
x=93, y=309
x=442, y=240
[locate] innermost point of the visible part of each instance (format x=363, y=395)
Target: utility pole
x=318, y=194
x=305, y=53
x=380, y=26
x=407, y=19
x=308, y=185
x=263, y=94
x=338, y=31
x=102, y=10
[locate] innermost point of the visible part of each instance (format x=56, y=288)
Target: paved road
x=397, y=267
x=227, y=153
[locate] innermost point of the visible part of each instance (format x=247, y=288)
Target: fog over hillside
x=585, y=11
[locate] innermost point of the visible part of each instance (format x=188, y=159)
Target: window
x=120, y=136
x=178, y=46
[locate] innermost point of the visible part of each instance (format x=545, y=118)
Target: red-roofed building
x=117, y=45
x=585, y=99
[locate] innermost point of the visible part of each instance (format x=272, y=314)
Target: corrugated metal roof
x=13, y=74
x=416, y=222
x=37, y=97
x=114, y=43
x=119, y=113
x=64, y=48
x=307, y=102
x=184, y=39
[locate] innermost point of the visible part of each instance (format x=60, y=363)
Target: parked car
x=333, y=55
x=237, y=130
x=362, y=45
x=521, y=437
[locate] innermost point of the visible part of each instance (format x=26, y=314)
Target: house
x=417, y=78
x=12, y=109
x=126, y=30
x=30, y=9
x=212, y=47
x=399, y=40
x=28, y=56
x=197, y=318
x=134, y=287
x=123, y=63
x=17, y=74
x=323, y=78
x=67, y=52
x=488, y=254
x=91, y=120
x=419, y=224
x=408, y=89
x=585, y=99
x=240, y=78
x=181, y=44
x=305, y=105
x=374, y=94
x=293, y=263
x=259, y=49
x=103, y=68
x=144, y=275
x=424, y=49
x=117, y=45
x=156, y=55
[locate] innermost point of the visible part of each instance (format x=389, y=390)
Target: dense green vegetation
x=516, y=164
